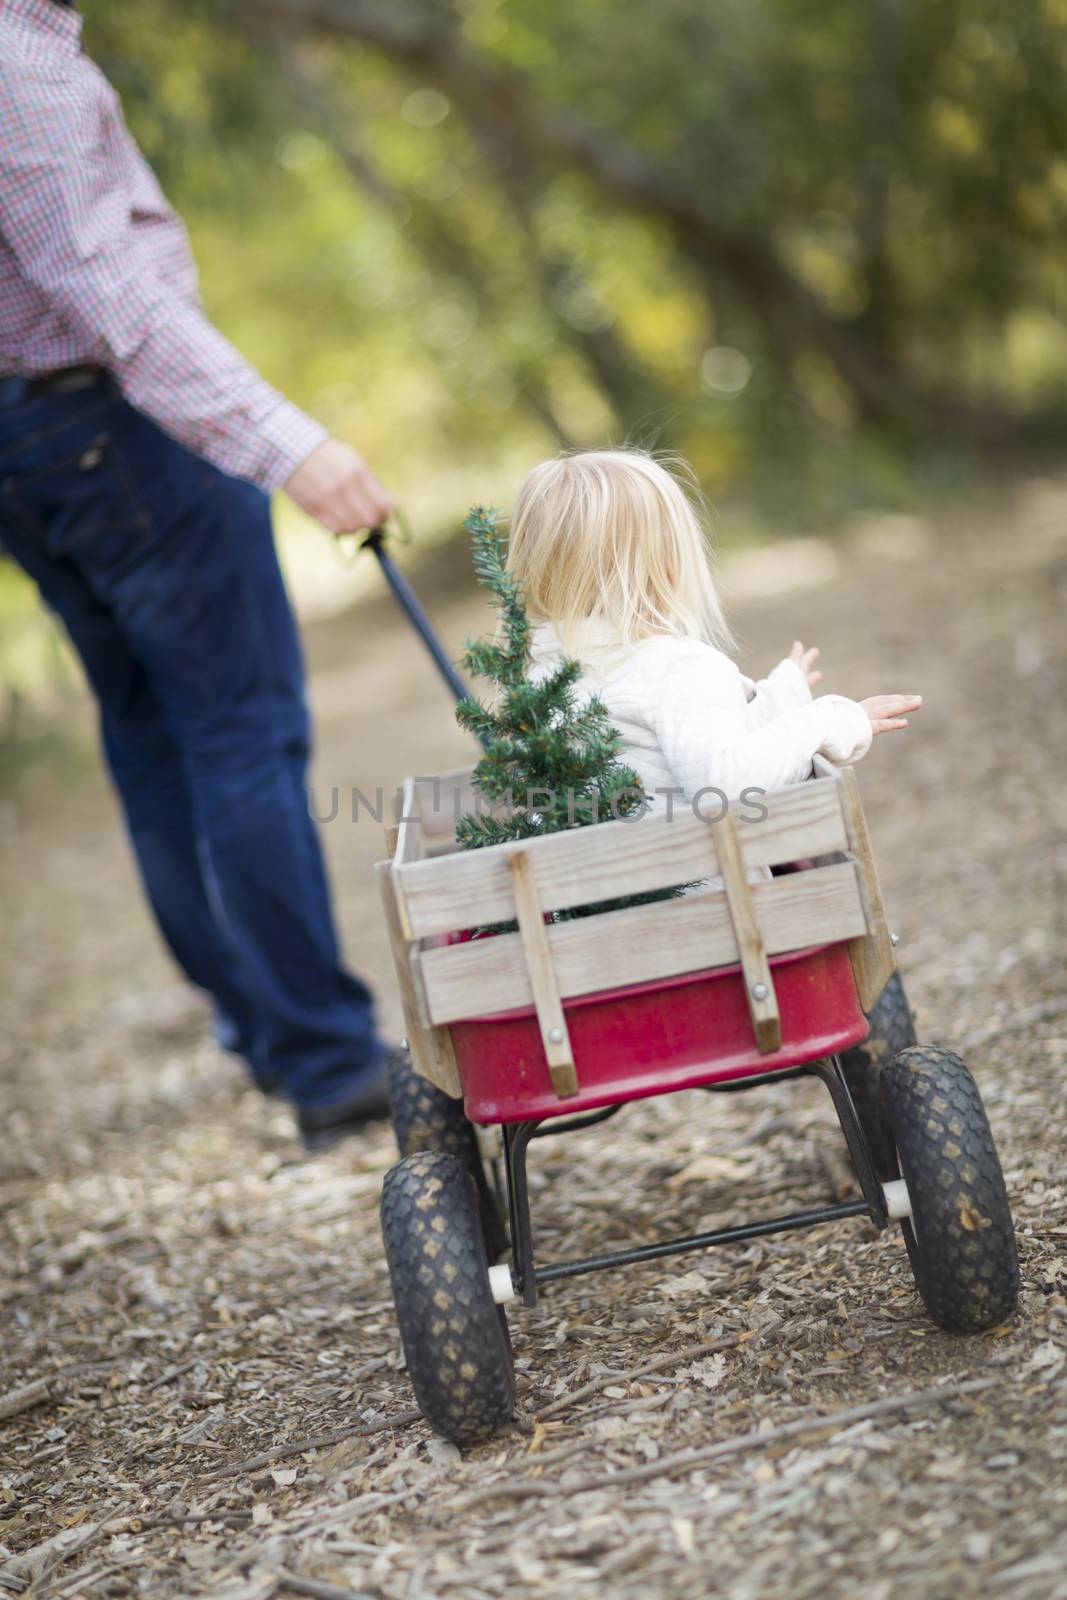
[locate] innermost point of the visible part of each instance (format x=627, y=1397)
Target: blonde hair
x=612, y=536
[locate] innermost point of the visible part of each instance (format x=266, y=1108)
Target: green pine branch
x=550, y=763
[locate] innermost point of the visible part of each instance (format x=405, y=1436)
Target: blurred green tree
x=760, y=231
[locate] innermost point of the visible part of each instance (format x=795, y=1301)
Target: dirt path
x=225, y=1412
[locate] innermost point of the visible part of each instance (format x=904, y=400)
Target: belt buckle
x=70, y=380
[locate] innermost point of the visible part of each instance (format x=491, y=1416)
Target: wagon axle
x=881, y=1201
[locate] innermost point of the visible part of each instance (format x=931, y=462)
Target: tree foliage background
x=807, y=242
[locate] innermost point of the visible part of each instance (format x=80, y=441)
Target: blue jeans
x=164, y=573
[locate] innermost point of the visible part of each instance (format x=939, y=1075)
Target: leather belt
x=68, y=380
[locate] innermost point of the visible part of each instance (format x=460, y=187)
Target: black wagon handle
x=411, y=605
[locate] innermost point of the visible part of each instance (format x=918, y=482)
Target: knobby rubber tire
x=891, y=1030
x=454, y=1334
x=960, y=1237
x=425, y=1118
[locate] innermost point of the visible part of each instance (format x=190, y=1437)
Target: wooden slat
x=583, y=865
x=431, y=1048
x=755, y=968
x=442, y=799
x=555, y=1035
x=872, y=956
x=410, y=844
x=444, y=845
x=641, y=944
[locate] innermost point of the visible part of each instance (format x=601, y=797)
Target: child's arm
x=787, y=686
x=701, y=724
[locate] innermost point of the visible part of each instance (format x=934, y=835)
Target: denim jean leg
x=146, y=771
x=159, y=819
x=210, y=617
x=165, y=573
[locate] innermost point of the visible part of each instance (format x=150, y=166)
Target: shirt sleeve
x=781, y=690
x=65, y=215
x=702, y=726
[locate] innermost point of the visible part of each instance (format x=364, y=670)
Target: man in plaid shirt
x=137, y=451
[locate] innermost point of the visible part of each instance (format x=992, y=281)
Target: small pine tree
x=552, y=763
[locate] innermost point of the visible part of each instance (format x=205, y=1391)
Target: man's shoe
x=320, y=1129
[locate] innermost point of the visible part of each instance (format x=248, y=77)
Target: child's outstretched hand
x=886, y=711
x=805, y=660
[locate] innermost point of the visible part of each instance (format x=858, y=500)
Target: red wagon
x=524, y=1016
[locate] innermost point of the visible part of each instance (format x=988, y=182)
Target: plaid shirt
x=95, y=267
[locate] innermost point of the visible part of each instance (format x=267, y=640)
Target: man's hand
x=336, y=487
x=805, y=660
x=886, y=711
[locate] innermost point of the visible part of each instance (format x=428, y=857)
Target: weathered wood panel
x=641, y=944
x=614, y=859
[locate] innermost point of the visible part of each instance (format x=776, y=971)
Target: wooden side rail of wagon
x=433, y=896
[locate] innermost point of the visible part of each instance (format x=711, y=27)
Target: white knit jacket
x=690, y=720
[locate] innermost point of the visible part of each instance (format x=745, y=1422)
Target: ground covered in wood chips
x=201, y=1390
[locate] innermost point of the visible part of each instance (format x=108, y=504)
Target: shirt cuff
x=847, y=731
x=790, y=683
x=286, y=437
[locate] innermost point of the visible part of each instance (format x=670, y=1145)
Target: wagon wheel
x=891, y=1031
x=425, y=1118
x=455, y=1336
x=960, y=1236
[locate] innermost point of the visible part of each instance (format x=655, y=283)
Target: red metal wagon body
x=685, y=1032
